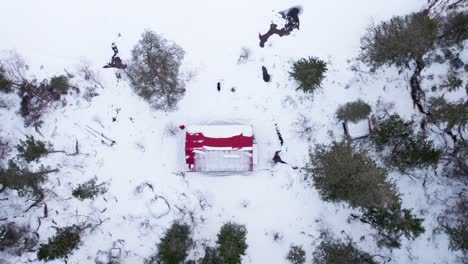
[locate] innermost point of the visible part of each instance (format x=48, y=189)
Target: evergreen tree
x=211, y=256
x=393, y=223
x=343, y=174
x=25, y=182
x=32, y=149
x=408, y=149
x=231, y=241
x=399, y=41
x=353, y=111
x=89, y=189
x=61, y=245
x=16, y=239
x=175, y=244
x=334, y=251
x=154, y=71
x=60, y=83
x=309, y=73
x=6, y=85
x=296, y=255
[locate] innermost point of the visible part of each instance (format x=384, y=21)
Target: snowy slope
x=58, y=34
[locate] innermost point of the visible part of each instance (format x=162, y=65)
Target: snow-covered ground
x=54, y=35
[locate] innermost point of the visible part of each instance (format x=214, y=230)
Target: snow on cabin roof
x=219, y=148
x=359, y=129
x=221, y=131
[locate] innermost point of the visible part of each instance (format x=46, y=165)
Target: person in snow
x=115, y=49
x=291, y=16
x=116, y=61
x=266, y=76
x=218, y=87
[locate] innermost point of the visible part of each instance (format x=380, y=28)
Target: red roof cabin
x=219, y=148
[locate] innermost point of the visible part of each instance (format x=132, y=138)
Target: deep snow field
x=53, y=35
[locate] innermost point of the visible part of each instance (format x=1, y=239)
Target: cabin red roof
x=219, y=148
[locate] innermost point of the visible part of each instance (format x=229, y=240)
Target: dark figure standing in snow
x=218, y=87
x=116, y=61
x=291, y=15
x=266, y=76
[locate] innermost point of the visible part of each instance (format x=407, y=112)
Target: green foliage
x=154, y=71
x=31, y=149
x=452, y=82
x=25, y=182
x=89, y=190
x=296, y=255
x=453, y=115
x=408, y=149
x=309, y=73
x=5, y=150
x=60, y=83
x=36, y=98
x=175, y=244
x=16, y=239
x=334, y=251
x=453, y=29
x=454, y=222
x=231, y=241
x=61, y=245
x=393, y=223
x=6, y=85
x=398, y=41
x=353, y=111
x=343, y=174
x=211, y=256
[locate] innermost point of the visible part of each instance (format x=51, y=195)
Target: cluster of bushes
x=342, y=173
x=177, y=242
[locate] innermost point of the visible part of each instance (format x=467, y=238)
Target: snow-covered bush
x=454, y=116
x=16, y=239
x=5, y=150
x=309, y=73
x=154, y=71
x=61, y=245
x=32, y=149
x=332, y=250
x=60, y=83
x=174, y=245
x=231, y=242
x=453, y=28
x=6, y=85
x=399, y=41
x=27, y=183
x=454, y=222
x=89, y=189
x=353, y=111
x=212, y=256
x=341, y=173
x=296, y=255
x=408, y=150
x=36, y=100
x=244, y=55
